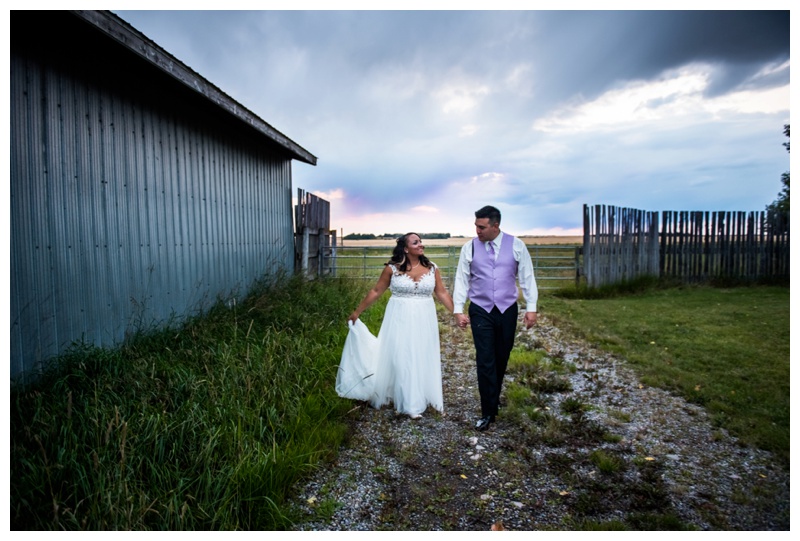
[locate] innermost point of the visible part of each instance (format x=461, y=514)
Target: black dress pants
x=493, y=333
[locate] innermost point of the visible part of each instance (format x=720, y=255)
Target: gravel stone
x=438, y=473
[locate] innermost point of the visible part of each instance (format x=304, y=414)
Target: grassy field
x=204, y=427
x=725, y=349
x=209, y=425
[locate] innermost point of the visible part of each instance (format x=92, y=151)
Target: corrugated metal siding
x=123, y=215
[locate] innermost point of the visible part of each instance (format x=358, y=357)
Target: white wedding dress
x=403, y=364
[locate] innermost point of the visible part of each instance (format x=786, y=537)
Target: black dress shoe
x=484, y=422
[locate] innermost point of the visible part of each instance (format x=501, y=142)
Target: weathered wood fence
x=698, y=246
x=619, y=244
x=313, y=235
x=694, y=246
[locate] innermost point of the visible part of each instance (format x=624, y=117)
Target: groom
x=488, y=268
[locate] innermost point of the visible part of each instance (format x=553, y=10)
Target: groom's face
x=486, y=231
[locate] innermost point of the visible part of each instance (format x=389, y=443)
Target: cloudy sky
x=418, y=118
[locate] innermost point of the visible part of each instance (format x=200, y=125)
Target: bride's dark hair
x=399, y=258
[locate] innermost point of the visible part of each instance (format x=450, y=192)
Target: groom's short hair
x=489, y=212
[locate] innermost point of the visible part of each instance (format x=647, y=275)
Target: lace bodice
x=402, y=285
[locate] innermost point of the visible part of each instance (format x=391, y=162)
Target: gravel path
x=670, y=468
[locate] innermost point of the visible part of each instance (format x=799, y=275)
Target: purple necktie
x=491, y=248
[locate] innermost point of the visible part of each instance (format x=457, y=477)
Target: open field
x=459, y=241
x=212, y=424
x=554, y=258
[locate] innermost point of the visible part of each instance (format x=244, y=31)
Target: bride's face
x=414, y=246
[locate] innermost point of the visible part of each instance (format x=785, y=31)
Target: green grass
x=726, y=349
x=606, y=462
x=207, y=426
x=203, y=427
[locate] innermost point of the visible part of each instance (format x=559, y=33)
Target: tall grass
x=203, y=427
x=726, y=349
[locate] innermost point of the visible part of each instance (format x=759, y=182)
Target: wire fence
x=555, y=266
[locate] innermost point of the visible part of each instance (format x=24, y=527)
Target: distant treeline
x=360, y=236
x=370, y=236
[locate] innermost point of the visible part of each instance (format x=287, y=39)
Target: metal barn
x=139, y=190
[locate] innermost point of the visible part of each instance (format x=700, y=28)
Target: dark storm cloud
x=541, y=110
x=597, y=49
x=577, y=53
x=736, y=37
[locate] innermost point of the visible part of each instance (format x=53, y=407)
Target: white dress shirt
x=527, y=281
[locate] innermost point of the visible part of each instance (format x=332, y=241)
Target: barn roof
x=126, y=35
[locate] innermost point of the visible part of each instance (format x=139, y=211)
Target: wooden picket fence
x=621, y=244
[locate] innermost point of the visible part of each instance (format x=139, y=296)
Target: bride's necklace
x=414, y=266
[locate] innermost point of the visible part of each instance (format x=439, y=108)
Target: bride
x=403, y=364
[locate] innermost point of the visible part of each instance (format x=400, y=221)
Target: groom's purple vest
x=493, y=283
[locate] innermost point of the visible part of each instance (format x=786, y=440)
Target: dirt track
x=634, y=457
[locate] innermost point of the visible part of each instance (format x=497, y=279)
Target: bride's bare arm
x=374, y=293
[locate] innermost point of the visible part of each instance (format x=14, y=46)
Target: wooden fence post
x=304, y=257
x=620, y=244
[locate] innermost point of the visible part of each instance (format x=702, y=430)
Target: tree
x=781, y=204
